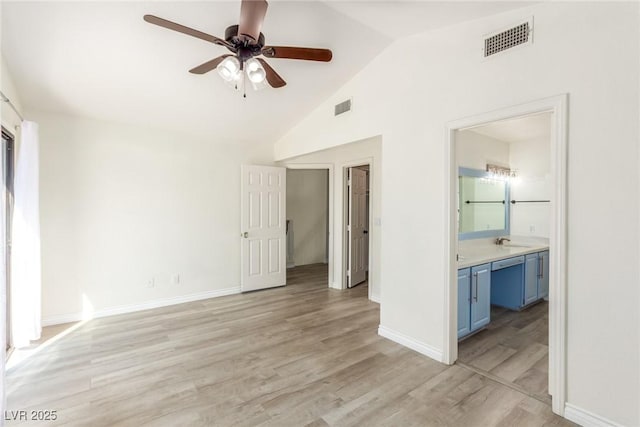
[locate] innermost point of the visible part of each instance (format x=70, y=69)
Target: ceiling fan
x=246, y=43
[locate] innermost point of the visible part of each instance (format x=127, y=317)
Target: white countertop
x=476, y=254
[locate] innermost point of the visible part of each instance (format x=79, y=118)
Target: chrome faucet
x=500, y=240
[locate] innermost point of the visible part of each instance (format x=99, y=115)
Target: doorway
x=8, y=160
x=357, y=208
x=504, y=213
x=338, y=161
x=480, y=278
x=307, y=226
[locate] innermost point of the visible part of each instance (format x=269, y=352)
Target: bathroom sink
x=509, y=245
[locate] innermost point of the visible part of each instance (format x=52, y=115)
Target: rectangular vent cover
x=507, y=39
x=343, y=107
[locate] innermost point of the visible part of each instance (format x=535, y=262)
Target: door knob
x=365, y=231
x=245, y=235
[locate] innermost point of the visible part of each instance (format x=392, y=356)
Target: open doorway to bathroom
x=504, y=217
x=506, y=287
x=307, y=226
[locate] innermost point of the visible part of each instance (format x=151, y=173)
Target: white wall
x=351, y=154
x=121, y=205
x=474, y=150
x=578, y=50
x=532, y=161
x=307, y=207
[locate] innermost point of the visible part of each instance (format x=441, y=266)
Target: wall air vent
x=515, y=36
x=343, y=107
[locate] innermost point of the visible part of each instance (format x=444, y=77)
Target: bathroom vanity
x=510, y=276
x=493, y=270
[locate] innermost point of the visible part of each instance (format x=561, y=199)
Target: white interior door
x=263, y=227
x=357, y=227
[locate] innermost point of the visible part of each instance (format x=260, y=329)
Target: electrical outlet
x=532, y=229
x=151, y=283
x=175, y=279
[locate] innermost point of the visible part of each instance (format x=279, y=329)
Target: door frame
x=367, y=161
x=7, y=204
x=558, y=107
x=329, y=168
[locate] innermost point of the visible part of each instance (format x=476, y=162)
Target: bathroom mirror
x=483, y=205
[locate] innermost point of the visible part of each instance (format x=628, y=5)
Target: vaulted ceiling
x=101, y=60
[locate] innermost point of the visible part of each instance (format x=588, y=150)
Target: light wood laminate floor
x=293, y=356
x=514, y=348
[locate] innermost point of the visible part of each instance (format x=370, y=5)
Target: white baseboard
x=586, y=418
x=411, y=343
x=130, y=308
x=375, y=298
x=60, y=319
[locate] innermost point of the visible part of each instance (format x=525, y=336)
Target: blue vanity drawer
x=504, y=263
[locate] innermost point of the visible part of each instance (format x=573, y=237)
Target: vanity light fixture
x=501, y=172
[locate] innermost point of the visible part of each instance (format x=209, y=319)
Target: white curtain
x=25, y=248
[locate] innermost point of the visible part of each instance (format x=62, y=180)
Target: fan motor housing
x=231, y=35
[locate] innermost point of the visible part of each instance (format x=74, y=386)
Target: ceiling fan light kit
x=236, y=74
x=255, y=72
x=246, y=43
x=229, y=69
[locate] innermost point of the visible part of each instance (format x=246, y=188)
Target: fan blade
x=273, y=78
x=252, y=14
x=208, y=66
x=306, y=53
x=185, y=30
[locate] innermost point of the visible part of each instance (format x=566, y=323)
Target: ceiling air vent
x=515, y=36
x=343, y=107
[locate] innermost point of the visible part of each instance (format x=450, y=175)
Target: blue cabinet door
x=464, y=302
x=543, y=274
x=480, y=296
x=530, y=279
